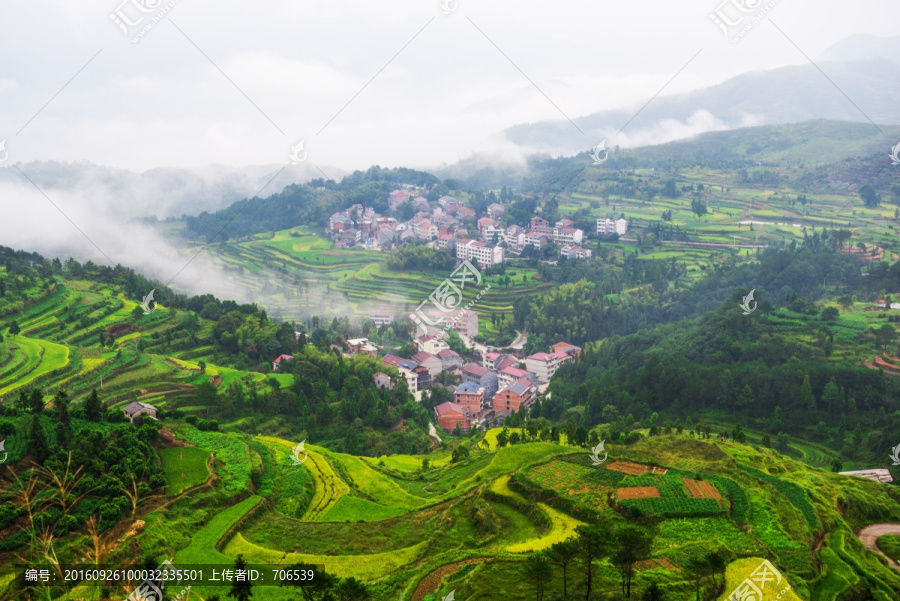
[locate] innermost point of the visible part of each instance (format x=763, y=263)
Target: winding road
x=870, y=534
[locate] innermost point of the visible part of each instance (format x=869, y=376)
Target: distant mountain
x=161, y=192
x=866, y=69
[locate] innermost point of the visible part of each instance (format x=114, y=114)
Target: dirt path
x=431, y=582
x=870, y=534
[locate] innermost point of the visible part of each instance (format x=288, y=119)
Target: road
x=870, y=534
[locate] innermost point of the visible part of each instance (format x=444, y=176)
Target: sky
x=363, y=83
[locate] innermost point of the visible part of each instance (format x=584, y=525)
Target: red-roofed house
x=565, y=347
x=449, y=415
x=450, y=360
x=546, y=364
x=430, y=361
x=279, y=360
x=510, y=374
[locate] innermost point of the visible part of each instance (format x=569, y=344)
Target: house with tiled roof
x=470, y=397
x=449, y=415
x=485, y=378
x=430, y=344
x=280, y=360
x=432, y=362
x=450, y=360
x=546, y=364
x=135, y=408
x=382, y=380
x=514, y=396
x=510, y=374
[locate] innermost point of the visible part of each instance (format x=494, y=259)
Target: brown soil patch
x=700, y=489
x=627, y=467
x=637, y=492
x=655, y=564
x=215, y=380
x=431, y=582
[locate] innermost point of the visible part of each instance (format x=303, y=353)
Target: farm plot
x=184, y=467
x=700, y=489
x=637, y=492
x=628, y=467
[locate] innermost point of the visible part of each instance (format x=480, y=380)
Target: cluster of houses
x=447, y=225
x=500, y=386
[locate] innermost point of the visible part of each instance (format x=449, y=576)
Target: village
x=450, y=225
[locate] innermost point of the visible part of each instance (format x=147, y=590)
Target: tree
x=653, y=593
x=836, y=465
x=538, y=570
x=562, y=554
x=830, y=314
x=37, y=441
x=241, y=590
x=14, y=328
x=61, y=412
x=632, y=546
x=869, y=196
x=592, y=540
x=807, y=399
x=502, y=438
x=351, y=589
x=36, y=401
x=93, y=407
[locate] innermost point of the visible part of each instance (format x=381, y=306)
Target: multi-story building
x=431, y=362
x=606, y=227
x=575, y=252
x=496, y=210
x=431, y=345
x=545, y=364
x=487, y=255
x=397, y=198
x=463, y=322
x=485, y=378
x=382, y=380
x=565, y=347
x=449, y=415
x=470, y=397
x=448, y=242
x=450, y=360
x=512, y=397
x=381, y=319
x=567, y=235
x=537, y=222
x=362, y=346
x=510, y=374
x=537, y=240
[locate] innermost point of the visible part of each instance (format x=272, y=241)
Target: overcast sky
x=288, y=67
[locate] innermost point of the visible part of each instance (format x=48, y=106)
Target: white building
x=608, y=226
x=544, y=365
x=487, y=255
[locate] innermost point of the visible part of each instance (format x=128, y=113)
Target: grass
x=202, y=549
x=184, y=467
x=890, y=545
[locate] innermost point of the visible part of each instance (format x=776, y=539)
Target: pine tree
x=93, y=407
x=241, y=590
x=37, y=441
x=36, y=401
x=807, y=398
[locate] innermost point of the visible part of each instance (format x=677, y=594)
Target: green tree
x=807, y=398
x=562, y=554
x=830, y=314
x=36, y=401
x=241, y=590
x=653, y=593
x=14, y=328
x=61, y=413
x=351, y=589
x=93, y=407
x=632, y=545
x=592, y=540
x=37, y=441
x=539, y=570
x=833, y=398
x=869, y=196
x=502, y=438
